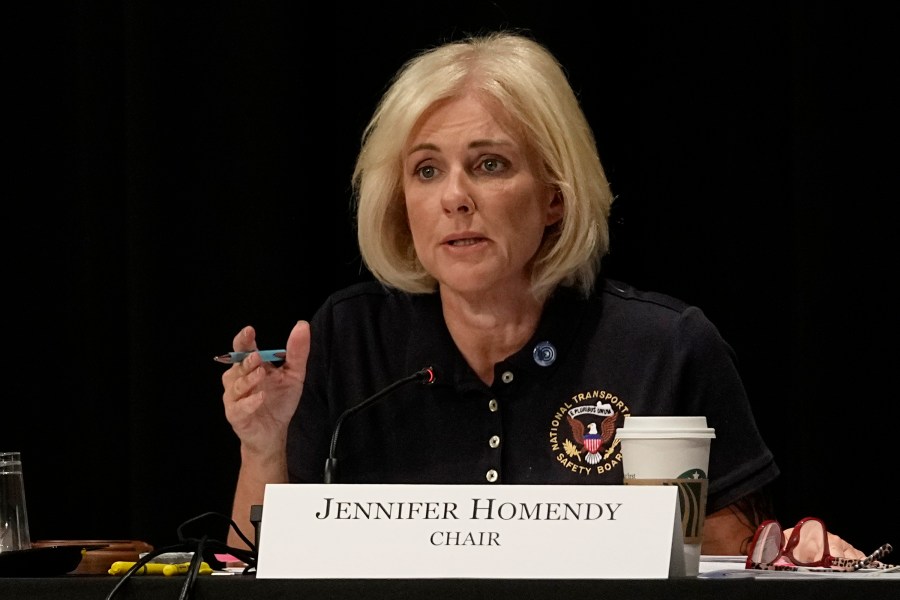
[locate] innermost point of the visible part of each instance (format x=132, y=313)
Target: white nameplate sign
x=364, y=531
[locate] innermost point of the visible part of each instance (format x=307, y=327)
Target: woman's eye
x=426, y=172
x=492, y=164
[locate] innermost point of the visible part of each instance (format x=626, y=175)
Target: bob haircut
x=525, y=79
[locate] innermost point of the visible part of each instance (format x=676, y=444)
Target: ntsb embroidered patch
x=583, y=433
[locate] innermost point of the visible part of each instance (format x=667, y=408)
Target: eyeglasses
x=806, y=549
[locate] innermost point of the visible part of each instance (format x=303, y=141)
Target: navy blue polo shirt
x=621, y=351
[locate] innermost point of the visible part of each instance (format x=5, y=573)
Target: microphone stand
x=425, y=376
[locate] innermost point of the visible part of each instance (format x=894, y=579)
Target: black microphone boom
x=425, y=376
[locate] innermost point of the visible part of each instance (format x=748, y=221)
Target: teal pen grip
x=266, y=355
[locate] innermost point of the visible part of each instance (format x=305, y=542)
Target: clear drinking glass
x=14, y=534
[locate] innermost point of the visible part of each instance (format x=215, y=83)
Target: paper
x=480, y=531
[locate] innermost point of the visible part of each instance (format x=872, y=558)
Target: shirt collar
x=431, y=344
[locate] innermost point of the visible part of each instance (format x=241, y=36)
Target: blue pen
x=236, y=357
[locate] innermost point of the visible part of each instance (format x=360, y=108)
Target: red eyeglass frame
x=786, y=550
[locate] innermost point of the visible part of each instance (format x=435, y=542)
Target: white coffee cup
x=671, y=450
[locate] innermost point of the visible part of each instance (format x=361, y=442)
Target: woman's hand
x=260, y=398
x=812, y=546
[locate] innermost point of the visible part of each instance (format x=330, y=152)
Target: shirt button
x=491, y=476
x=493, y=406
x=507, y=377
x=494, y=441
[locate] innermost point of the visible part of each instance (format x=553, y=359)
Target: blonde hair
x=530, y=84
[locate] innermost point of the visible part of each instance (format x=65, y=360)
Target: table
x=247, y=587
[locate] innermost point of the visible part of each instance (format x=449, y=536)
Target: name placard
x=362, y=531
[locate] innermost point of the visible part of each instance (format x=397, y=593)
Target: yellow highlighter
x=183, y=568
x=121, y=567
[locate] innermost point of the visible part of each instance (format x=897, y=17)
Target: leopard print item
x=869, y=562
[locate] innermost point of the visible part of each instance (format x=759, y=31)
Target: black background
x=179, y=170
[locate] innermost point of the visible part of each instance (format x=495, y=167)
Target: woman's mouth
x=465, y=242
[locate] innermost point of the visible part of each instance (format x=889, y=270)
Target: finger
x=242, y=379
x=846, y=552
x=233, y=375
x=240, y=413
x=245, y=340
x=298, y=347
x=254, y=373
x=839, y=547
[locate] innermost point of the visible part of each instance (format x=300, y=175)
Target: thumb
x=298, y=347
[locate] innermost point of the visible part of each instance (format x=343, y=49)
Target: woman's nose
x=457, y=197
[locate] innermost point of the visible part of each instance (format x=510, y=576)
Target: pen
x=236, y=357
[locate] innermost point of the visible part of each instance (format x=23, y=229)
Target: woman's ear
x=556, y=208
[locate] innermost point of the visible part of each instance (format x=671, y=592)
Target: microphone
x=425, y=376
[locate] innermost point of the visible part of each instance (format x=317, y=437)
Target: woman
x=482, y=211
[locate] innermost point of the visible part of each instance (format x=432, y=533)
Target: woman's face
x=476, y=207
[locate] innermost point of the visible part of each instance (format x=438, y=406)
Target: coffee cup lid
x=656, y=434
x=664, y=426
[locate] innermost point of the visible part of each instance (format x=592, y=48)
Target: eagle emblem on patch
x=592, y=438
